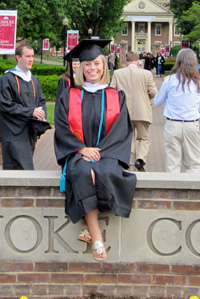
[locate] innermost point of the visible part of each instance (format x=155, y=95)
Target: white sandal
x=99, y=246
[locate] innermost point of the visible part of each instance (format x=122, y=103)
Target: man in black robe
x=21, y=99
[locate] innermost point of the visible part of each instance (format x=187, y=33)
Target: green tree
x=178, y=7
x=37, y=19
x=192, y=16
x=104, y=17
x=43, y=19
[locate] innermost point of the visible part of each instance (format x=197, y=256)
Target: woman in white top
x=180, y=93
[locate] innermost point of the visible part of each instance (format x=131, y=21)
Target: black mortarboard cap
x=86, y=50
x=39, y=126
x=75, y=59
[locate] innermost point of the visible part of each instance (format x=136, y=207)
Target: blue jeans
x=159, y=69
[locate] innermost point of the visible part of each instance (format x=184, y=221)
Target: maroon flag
x=8, y=25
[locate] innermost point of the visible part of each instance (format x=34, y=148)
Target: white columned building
x=150, y=26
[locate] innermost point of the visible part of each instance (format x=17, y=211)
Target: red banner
x=45, y=44
x=167, y=48
x=118, y=50
x=185, y=43
x=112, y=47
x=8, y=23
x=162, y=51
x=72, y=39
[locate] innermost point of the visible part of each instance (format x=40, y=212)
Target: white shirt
x=180, y=105
x=159, y=60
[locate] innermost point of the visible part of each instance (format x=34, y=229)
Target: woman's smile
x=93, y=70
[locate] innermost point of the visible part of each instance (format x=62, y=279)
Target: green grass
x=167, y=73
x=58, y=59
x=50, y=112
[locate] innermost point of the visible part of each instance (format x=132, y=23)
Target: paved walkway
x=44, y=157
x=59, y=62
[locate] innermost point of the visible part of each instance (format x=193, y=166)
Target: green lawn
x=58, y=59
x=50, y=112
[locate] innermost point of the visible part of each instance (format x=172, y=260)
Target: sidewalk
x=44, y=157
x=48, y=61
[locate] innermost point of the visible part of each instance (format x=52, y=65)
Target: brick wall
x=26, y=270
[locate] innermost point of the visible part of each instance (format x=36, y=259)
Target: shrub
x=49, y=86
x=4, y=65
x=48, y=70
x=48, y=76
x=175, y=50
x=170, y=59
x=169, y=66
x=37, y=69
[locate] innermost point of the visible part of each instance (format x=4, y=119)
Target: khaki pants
x=140, y=134
x=182, y=146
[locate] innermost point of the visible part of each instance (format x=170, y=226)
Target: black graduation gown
x=18, y=138
x=114, y=188
x=62, y=84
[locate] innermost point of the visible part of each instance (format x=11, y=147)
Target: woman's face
x=75, y=66
x=93, y=70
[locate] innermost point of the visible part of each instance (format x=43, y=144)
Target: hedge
x=48, y=76
x=48, y=70
x=49, y=86
x=169, y=65
x=37, y=70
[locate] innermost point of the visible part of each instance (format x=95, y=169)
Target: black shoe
x=139, y=163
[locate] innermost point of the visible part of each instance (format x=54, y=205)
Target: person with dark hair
x=147, y=62
x=129, y=79
x=65, y=80
x=181, y=94
x=160, y=60
x=21, y=100
x=93, y=136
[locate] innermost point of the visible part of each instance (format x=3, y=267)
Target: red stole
x=75, y=110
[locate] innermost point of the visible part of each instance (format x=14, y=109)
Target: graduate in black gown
x=21, y=100
x=65, y=80
x=93, y=136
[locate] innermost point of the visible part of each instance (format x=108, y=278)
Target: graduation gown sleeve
x=62, y=84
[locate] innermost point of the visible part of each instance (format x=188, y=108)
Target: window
x=158, y=29
x=177, y=43
x=158, y=43
x=125, y=30
x=176, y=30
x=141, y=27
x=141, y=5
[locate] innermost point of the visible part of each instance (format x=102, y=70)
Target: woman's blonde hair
x=186, y=68
x=80, y=78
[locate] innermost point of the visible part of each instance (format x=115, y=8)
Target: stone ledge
x=27, y=178
x=146, y=180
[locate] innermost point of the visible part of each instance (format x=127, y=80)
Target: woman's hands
x=90, y=153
